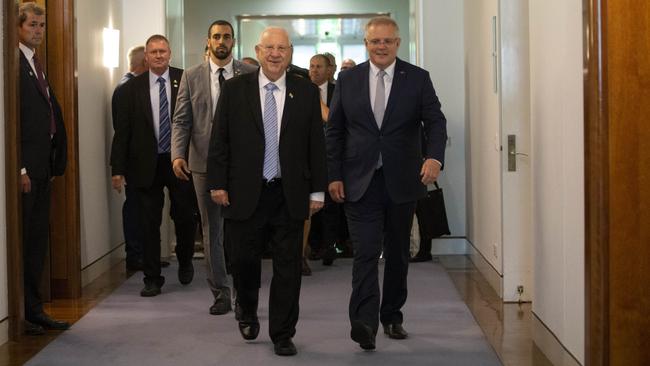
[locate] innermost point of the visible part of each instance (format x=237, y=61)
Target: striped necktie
x=270, y=170
x=165, y=132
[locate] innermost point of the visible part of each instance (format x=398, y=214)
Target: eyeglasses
x=279, y=49
x=386, y=41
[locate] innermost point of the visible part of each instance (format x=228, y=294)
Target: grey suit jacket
x=192, y=122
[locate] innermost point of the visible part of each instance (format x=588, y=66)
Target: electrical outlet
x=520, y=289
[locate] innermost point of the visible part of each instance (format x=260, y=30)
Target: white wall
x=558, y=165
x=4, y=295
x=140, y=19
x=442, y=54
x=99, y=211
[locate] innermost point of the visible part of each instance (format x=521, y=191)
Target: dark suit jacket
x=134, y=152
x=354, y=141
x=330, y=92
x=118, y=93
x=236, y=154
x=41, y=155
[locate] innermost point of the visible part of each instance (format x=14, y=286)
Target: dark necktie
x=222, y=79
x=42, y=83
x=165, y=132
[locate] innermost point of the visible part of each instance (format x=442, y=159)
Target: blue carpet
x=175, y=328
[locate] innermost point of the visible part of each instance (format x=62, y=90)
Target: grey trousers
x=212, y=228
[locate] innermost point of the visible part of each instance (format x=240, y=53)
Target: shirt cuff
x=23, y=171
x=439, y=163
x=317, y=196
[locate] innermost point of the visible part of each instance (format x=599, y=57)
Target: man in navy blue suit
x=377, y=167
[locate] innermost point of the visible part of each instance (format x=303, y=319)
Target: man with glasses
x=376, y=167
x=266, y=167
x=197, y=99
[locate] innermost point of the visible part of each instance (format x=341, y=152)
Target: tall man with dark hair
x=197, y=99
x=376, y=165
x=266, y=167
x=43, y=156
x=141, y=157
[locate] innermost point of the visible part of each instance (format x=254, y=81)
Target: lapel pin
x=402, y=72
x=290, y=95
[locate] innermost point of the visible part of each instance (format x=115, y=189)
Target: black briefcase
x=431, y=214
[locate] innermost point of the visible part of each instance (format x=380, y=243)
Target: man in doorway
x=141, y=157
x=131, y=228
x=376, y=165
x=197, y=99
x=43, y=157
x=266, y=167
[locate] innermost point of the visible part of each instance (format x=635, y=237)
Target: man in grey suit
x=197, y=99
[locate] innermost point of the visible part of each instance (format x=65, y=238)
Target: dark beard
x=221, y=55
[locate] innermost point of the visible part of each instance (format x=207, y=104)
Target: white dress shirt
x=323, y=92
x=154, y=89
x=279, y=94
x=215, y=88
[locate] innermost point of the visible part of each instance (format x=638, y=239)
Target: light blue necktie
x=270, y=133
x=165, y=132
x=380, y=105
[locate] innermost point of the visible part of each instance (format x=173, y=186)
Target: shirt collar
x=153, y=78
x=28, y=52
x=323, y=86
x=280, y=83
x=214, y=68
x=390, y=70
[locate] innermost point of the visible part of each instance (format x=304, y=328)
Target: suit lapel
x=288, y=104
x=399, y=76
x=253, y=94
x=175, y=79
x=364, y=69
x=32, y=75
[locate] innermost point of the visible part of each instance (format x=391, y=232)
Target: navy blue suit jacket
x=354, y=141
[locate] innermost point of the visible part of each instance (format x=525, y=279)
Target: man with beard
x=197, y=100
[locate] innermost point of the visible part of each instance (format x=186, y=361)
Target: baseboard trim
x=449, y=246
x=101, y=265
x=550, y=345
x=493, y=277
x=4, y=331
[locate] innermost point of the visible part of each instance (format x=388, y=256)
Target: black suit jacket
x=354, y=141
x=134, y=152
x=43, y=156
x=236, y=154
x=330, y=92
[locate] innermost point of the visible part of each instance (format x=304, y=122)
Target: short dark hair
x=156, y=37
x=221, y=22
x=28, y=7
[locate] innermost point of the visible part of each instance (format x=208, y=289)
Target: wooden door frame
x=65, y=220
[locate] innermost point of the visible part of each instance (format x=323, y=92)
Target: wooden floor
x=507, y=327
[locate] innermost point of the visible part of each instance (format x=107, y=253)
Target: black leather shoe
x=421, y=258
x=150, y=290
x=48, y=323
x=395, y=331
x=185, y=273
x=363, y=334
x=33, y=329
x=221, y=306
x=285, y=347
x=249, y=329
x=329, y=255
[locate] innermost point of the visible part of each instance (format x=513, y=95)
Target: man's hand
x=220, y=197
x=180, y=169
x=430, y=171
x=336, y=191
x=25, y=183
x=314, y=206
x=117, y=181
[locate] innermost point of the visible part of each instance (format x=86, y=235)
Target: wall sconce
x=111, y=47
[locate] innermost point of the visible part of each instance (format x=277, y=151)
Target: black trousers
x=36, y=233
x=132, y=227
x=326, y=225
x=376, y=223
x=246, y=240
x=183, y=212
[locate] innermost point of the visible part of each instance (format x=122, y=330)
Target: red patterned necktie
x=43, y=85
